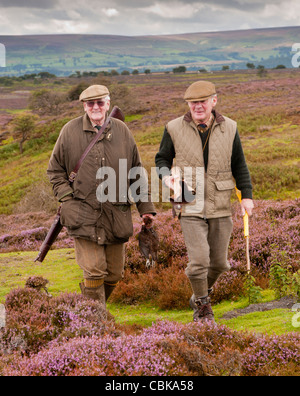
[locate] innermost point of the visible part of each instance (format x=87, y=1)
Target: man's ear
x=215, y=101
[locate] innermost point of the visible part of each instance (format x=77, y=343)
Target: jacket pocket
x=223, y=194
x=122, y=226
x=69, y=215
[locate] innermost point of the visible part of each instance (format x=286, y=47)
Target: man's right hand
x=173, y=183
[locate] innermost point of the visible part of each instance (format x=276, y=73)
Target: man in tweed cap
x=100, y=228
x=208, y=145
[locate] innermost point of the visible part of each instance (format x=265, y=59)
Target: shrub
x=123, y=97
x=23, y=128
x=166, y=348
x=280, y=277
x=75, y=92
x=229, y=286
x=252, y=290
x=34, y=319
x=47, y=102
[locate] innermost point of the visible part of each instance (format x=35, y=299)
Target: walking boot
x=202, y=309
x=193, y=304
x=109, y=288
x=96, y=293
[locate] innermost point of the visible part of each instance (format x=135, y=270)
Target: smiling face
x=201, y=110
x=97, y=109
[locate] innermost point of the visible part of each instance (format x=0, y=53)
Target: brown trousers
x=207, y=245
x=100, y=262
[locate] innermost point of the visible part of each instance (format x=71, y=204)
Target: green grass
x=18, y=177
x=277, y=321
x=134, y=117
x=64, y=275
x=59, y=268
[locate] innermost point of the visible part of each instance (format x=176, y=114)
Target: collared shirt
x=205, y=127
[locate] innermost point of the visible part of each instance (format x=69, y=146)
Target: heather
x=35, y=318
x=68, y=336
x=275, y=239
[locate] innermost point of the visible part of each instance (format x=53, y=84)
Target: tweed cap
x=94, y=92
x=200, y=90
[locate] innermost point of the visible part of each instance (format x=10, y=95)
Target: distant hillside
x=65, y=54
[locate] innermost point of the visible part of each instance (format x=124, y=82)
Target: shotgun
x=57, y=226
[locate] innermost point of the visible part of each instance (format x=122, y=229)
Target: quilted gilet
x=214, y=187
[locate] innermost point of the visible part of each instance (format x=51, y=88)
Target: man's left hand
x=247, y=206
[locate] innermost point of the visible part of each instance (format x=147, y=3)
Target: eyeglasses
x=91, y=103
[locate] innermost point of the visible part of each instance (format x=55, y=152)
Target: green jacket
x=84, y=215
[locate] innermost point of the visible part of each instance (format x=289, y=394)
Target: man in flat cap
x=100, y=228
x=208, y=152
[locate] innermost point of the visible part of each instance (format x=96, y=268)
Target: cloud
x=110, y=12
x=178, y=10
x=290, y=12
x=44, y=4
x=143, y=17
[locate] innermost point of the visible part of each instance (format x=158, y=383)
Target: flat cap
x=200, y=90
x=94, y=92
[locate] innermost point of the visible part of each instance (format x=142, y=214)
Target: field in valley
x=65, y=54
x=267, y=111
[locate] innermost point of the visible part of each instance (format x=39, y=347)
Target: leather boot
x=202, y=309
x=94, y=293
x=109, y=288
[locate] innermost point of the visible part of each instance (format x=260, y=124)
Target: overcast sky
x=141, y=17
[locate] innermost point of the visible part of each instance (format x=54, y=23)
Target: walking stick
x=246, y=231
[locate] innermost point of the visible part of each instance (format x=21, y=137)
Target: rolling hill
x=65, y=54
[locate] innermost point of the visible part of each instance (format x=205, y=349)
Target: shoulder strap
x=116, y=113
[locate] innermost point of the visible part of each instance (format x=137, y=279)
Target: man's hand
x=148, y=220
x=247, y=205
x=173, y=183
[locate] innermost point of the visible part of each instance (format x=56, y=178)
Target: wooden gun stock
x=50, y=238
